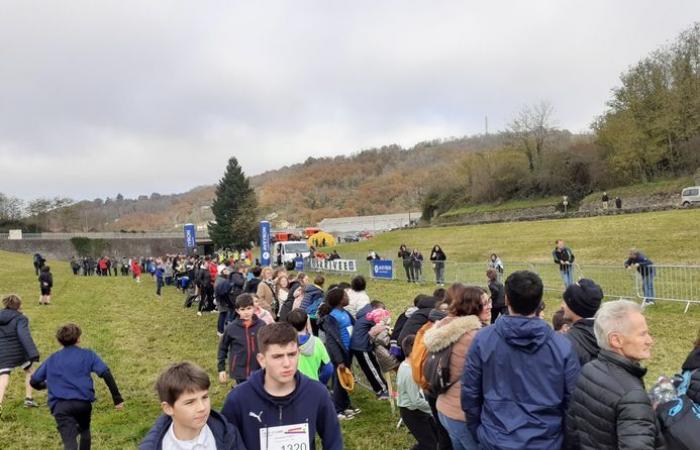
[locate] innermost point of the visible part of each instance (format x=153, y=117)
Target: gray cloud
x=135, y=97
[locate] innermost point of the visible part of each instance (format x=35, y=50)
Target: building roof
x=379, y=223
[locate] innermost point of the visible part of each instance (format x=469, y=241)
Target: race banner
x=265, y=256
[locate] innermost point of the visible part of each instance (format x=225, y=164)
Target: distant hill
x=377, y=181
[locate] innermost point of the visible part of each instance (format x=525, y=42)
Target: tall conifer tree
x=235, y=210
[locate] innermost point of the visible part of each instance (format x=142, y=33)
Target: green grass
x=505, y=206
x=673, y=186
x=671, y=237
x=138, y=335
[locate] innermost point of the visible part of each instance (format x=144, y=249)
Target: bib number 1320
x=285, y=437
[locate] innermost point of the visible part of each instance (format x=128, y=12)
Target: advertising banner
x=265, y=256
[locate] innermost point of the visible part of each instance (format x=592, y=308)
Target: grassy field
x=138, y=335
x=669, y=237
x=505, y=206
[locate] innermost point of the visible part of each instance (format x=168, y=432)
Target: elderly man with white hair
x=610, y=408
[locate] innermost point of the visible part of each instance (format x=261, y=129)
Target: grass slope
x=666, y=237
x=138, y=335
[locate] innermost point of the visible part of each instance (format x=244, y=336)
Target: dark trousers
x=443, y=438
x=159, y=285
x=73, y=420
x=408, y=267
x=341, y=399
x=224, y=319
x=497, y=311
x=422, y=427
x=370, y=367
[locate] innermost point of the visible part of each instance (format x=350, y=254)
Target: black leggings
x=370, y=367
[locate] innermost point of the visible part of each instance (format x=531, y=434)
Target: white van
x=284, y=252
x=690, y=196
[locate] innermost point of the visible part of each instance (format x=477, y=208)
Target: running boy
x=239, y=342
x=188, y=420
x=67, y=374
x=279, y=407
x=17, y=347
x=314, y=361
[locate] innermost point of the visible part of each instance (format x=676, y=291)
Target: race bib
x=285, y=437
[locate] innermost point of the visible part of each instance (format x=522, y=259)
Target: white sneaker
x=342, y=416
x=199, y=313
x=219, y=334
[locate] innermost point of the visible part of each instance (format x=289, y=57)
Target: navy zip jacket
x=240, y=344
x=226, y=435
x=313, y=297
x=517, y=381
x=16, y=343
x=359, y=341
x=249, y=408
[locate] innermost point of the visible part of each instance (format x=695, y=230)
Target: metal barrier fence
x=671, y=283
x=108, y=235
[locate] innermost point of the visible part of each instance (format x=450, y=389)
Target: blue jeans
x=460, y=436
x=567, y=276
x=648, y=287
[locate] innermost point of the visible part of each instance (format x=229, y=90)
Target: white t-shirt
x=205, y=440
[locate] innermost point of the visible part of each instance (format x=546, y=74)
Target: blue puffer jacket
x=16, y=344
x=516, y=385
x=226, y=435
x=313, y=297
x=360, y=332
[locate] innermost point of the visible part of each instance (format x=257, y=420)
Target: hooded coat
x=610, y=408
x=288, y=303
x=249, y=408
x=517, y=383
x=459, y=331
x=583, y=340
x=425, y=304
x=359, y=341
x=240, y=343
x=226, y=435
x=16, y=343
x=313, y=297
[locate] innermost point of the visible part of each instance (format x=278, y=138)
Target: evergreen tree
x=234, y=209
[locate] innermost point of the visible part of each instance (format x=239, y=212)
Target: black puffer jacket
x=680, y=418
x=583, y=340
x=425, y=304
x=16, y=343
x=610, y=408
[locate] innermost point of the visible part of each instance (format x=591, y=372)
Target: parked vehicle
x=690, y=196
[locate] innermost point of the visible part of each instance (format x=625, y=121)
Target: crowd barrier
x=671, y=283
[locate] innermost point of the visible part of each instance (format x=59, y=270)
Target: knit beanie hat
x=583, y=298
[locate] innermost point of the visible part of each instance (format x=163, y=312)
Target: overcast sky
x=103, y=97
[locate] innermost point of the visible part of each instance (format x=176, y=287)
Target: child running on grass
x=67, y=374
x=17, y=347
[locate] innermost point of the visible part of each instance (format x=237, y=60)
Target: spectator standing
x=564, y=257
x=645, y=267
x=610, y=408
x=469, y=307
x=413, y=408
x=498, y=295
x=581, y=302
x=357, y=295
x=519, y=375
x=496, y=264
x=605, y=201
x=618, y=203
x=438, y=258
x=405, y=255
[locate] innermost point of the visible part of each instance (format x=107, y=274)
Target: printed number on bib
x=285, y=437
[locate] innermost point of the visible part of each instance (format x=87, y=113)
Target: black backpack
x=436, y=370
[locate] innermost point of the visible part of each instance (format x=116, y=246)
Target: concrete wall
x=63, y=249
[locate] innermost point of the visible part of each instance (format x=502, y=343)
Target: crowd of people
x=474, y=368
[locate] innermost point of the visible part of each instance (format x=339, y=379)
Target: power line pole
x=486, y=125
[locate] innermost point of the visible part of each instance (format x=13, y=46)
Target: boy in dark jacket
x=362, y=350
x=187, y=419
x=67, y=374
x=313, y=297
x=45, y=285
x=581, y=302
x=17, y=347
x=338, y=326
x=239, y=342
x=279, y=404
x=519, y=375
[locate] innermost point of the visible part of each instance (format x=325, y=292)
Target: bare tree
x=529, y=130
x=10, y=207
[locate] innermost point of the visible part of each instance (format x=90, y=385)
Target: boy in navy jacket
x=278, y=403
x=239, y=342
x=187, y=420
x=67, y=374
